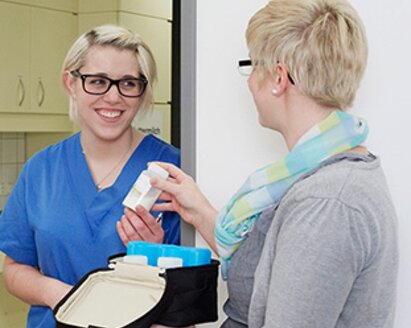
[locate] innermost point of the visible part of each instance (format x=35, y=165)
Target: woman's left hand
x=139, y=225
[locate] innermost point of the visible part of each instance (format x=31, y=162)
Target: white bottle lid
x=158, y=170
x=136, y=259
x=169, y=262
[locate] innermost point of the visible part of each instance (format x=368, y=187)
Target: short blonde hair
x=118, y=37
x=322, y=43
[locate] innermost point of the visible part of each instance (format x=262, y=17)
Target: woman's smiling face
x=109, y=115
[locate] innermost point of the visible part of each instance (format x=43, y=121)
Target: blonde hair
x=322, y=43
x=118, y=37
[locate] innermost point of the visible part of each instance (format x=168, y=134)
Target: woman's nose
x=112, y=94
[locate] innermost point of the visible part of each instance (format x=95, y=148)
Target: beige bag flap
x=114, y=298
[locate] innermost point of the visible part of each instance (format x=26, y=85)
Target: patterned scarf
x=339, y=132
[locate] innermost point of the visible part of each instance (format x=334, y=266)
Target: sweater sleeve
x=321, y=246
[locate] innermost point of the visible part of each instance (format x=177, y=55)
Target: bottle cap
x=169, y=262
x=136, y=259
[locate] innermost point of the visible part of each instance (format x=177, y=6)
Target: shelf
x=26, y=122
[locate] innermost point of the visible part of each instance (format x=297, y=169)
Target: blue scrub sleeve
x=16, y=236
x=171, y=226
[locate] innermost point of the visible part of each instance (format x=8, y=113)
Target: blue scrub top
x=56, y=220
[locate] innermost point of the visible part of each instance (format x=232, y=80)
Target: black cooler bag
x=127, y=295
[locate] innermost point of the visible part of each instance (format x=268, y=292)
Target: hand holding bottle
x=184, y=197
x=139, y=225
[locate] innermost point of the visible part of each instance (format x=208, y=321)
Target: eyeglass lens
x=245, y=67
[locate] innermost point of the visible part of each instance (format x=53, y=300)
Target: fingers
x=173, y=170
x=126, y=231
x=163, y=207
x=169, y=186
x=124, y=238
x=180, y=186
x=133, y=230
x=165, y=196
x=139, y=225
x=141, y=219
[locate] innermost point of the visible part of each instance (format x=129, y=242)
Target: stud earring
x=274, y=91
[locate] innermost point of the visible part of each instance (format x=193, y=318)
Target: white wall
x=230, y=144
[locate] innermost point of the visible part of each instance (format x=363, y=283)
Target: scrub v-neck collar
x=95, y=204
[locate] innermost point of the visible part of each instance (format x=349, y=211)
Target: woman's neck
x=106, y=158
x=300, y=119
x=98, y=148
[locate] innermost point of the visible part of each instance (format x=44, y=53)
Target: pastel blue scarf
x=339, y=132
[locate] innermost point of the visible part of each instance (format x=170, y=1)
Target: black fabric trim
x=190, y=297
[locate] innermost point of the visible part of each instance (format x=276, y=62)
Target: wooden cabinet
x=53, y=32
x=152, y=20
x=14, y=57
x=35, y=40
x=35, y=37
x=157, y=34
x=63, y=5
x=154, y=8
x=87, y=21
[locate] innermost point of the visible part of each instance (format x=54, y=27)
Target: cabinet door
x=65, y=5
x=97, y=6
x=14, y=57
x=23, y=2
x=53, y=32
x=154, y=8
x=88, y=21
x=157, y=34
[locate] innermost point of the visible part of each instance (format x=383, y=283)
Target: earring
x=274, y=91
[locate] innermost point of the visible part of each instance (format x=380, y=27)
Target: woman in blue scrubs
x=65, y=214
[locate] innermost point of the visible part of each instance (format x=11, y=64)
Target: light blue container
x=191, y=256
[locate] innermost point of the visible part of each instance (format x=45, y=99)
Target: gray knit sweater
x=325, y=257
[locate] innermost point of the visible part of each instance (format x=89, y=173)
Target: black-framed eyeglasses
x=245, y=67
x=98, y=85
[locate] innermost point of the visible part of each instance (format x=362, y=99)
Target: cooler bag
x=128, y=295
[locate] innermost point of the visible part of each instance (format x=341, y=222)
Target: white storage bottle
x=142, y=193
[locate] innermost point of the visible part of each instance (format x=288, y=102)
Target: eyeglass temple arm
x=247, y=62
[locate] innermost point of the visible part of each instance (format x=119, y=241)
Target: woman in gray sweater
x=310, y=240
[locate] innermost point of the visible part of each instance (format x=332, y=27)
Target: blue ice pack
x=191, y=256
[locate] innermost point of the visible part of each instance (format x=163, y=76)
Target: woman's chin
x=263, y=123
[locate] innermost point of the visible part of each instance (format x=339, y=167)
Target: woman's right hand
x=183, y=196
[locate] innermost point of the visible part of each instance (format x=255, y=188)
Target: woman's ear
x=68, y=83
x=280, y=80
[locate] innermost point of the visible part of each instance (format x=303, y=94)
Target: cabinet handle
x=23, y=91
x=42, y=92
